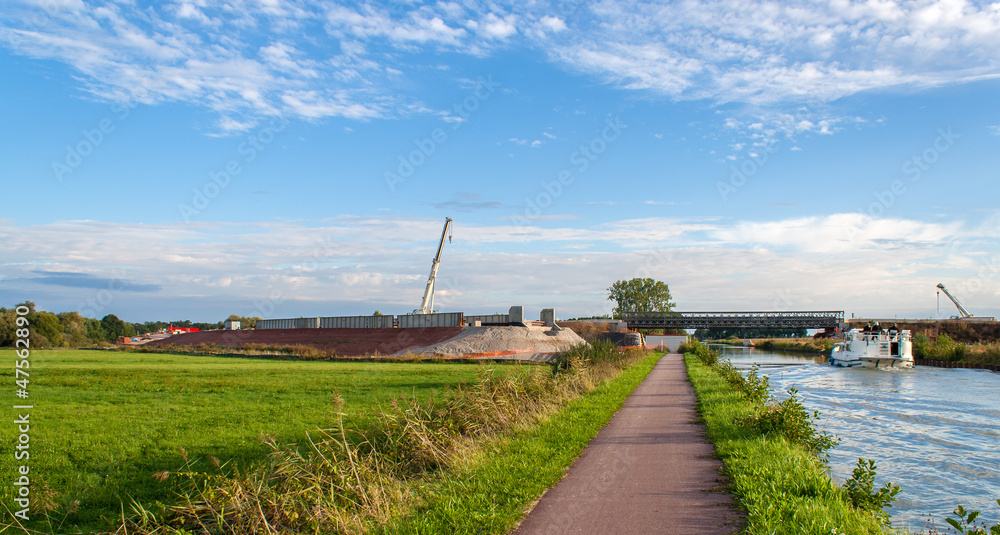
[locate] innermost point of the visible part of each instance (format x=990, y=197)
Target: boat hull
x=873, y=349
x=872, y=363
x=887, y=363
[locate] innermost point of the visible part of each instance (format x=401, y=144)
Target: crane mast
x=961, y=309
x=427, y=305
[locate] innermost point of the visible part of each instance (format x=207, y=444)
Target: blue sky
x=192, y=159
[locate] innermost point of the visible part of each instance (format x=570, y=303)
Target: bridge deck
x=733, y=320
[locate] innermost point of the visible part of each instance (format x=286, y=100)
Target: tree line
x=723, y=334
x=70, y=329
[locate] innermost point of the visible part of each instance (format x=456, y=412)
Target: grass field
x=103, y=422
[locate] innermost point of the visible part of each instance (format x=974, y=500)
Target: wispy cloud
x=762, y=54
x=248, y=59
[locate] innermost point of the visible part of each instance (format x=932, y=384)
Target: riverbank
x=945, y=350
x=772, y=453
x=931, y=430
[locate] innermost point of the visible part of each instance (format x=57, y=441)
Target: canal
x=933, y=431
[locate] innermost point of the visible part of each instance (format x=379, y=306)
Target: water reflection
x=933, y=431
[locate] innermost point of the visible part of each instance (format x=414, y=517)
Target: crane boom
x=427, y=304
x=961, y=309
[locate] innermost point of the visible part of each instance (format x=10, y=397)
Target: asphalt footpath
x=649, y=471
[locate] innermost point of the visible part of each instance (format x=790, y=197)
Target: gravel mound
x=516, y=343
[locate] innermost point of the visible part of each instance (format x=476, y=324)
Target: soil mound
x=345, y=342
x=517, y=343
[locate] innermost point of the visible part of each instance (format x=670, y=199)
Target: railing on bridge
x=733, y=320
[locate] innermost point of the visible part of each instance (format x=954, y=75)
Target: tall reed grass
x=351, y=481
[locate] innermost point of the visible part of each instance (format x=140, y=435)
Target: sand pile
x=518, y=343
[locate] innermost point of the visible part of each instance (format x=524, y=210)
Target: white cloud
x=840, y=233
x=352, y=263
x=536, y=143
x=776, y=55
x=496, y=28
x=553, y=24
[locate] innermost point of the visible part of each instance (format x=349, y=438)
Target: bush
x=965, y=523
x=860, y=490
x=790, y=419
x=707, y=356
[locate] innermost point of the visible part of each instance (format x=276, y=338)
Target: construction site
x=431, y=333
x=424, y=332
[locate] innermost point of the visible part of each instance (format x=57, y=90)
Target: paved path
x=649, y=471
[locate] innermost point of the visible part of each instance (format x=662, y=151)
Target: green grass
x=493, y=490
x=103, y=422
x=784, y=488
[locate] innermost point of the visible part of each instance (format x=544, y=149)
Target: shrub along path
x=650, y=470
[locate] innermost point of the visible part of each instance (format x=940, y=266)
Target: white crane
x=427, y=305
x=961, y=309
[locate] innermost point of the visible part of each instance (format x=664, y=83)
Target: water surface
x=933, y=431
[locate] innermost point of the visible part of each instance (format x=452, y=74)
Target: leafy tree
x=722, y=334
x=46, y=326
x=95, y=330
x=640, y=294
x=246, y=322
x=114, y=327
x=78, y=331
x=7, y=326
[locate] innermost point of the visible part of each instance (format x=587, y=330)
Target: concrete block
x=548, y=315
x=517, y=315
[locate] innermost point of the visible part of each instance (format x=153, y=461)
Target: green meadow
x=104, y=422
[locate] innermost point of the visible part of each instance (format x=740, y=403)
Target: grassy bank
x=490, y=493
x=105, y=421
x=773, y=456
x=943, y=348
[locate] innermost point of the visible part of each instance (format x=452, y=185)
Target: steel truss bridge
x=733, y=320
